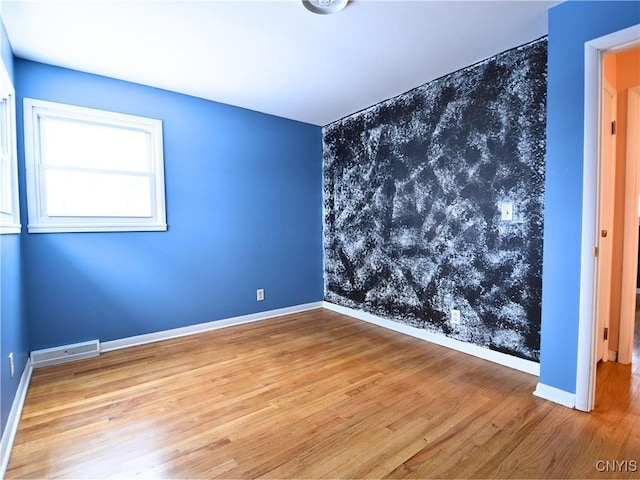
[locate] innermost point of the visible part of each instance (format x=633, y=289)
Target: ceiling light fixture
x=324, y=7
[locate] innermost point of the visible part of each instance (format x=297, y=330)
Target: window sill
x=87, y=228
x=10, y=229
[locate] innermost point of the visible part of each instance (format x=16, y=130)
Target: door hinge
x=613, y=127
x=595, y=251
x=606, y=333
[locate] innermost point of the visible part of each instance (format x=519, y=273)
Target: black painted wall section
x=412, y=195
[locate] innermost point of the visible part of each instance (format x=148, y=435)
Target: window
x=92, y=171
x=9, y=205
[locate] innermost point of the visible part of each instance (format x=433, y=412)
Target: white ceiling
x=272, y=56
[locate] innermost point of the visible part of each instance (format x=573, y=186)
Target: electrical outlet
x=260, y=294
x=455, y=317
x=12, y=369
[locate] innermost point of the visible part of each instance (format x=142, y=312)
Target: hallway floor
x=618, y=385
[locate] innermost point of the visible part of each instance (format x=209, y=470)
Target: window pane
x=76, y=144
x=81, y=194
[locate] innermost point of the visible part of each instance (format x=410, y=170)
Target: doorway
x=617, y=260
x=590, y=341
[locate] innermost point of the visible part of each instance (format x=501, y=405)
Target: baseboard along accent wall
x=510, y=361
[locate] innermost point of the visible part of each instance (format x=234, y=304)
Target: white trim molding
x=92, y=193
x=556, y=395
x=510, y=361
x=11, y=428
x=204, y=327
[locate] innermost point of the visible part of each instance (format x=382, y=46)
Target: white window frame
x=9, y=220
x=39, y=220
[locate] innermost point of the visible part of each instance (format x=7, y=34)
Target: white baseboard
x=11, y=429
x=613, y=355
x=556, y=395
x=516, y=363
x=204, y=327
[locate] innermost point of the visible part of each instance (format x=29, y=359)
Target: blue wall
x=244, y=203
x=571, y=24
x=13, y=324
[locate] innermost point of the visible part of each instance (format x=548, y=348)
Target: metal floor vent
x=66, y=353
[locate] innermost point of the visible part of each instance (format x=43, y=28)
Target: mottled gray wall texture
x=412, y=195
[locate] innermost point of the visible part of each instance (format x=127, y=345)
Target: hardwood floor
x=313, y=395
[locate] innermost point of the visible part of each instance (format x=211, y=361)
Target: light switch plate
x=455, y=316
x=506, y=211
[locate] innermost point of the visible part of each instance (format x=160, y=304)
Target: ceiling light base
x=324, y=7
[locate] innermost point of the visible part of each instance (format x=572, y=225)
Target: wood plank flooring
x=313, y=395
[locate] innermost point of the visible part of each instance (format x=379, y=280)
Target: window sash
x=83, y=155
x=96, y=189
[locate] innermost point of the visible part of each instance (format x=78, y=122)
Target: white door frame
x=586, y=372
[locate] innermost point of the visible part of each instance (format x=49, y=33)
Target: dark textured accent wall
x=412, y=194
